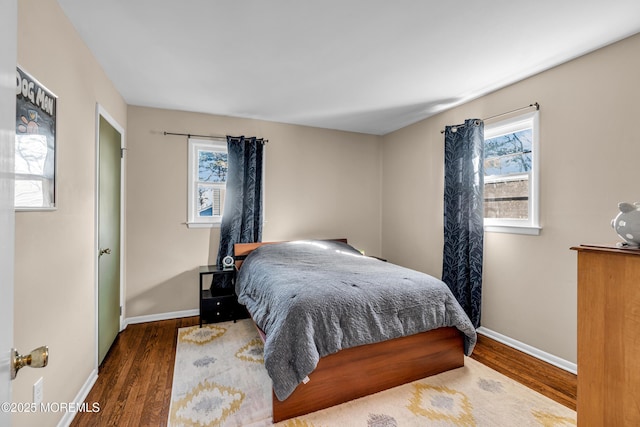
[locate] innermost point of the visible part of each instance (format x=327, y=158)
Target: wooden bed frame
x=360, y=371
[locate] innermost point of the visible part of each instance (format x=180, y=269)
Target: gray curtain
x=242, y=214
x=463, y=214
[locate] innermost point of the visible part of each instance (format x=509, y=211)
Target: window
x=511, y=175
x=207, y=182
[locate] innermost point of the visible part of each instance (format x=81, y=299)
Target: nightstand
x=219, y=302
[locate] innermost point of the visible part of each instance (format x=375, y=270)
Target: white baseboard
x=79, y=399
x=161, y=316
x=532, y=351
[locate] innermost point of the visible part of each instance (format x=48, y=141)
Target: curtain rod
x=189, y=135
x=535, y=104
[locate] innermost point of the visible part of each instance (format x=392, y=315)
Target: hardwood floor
x=134, y=382
x=546, y=379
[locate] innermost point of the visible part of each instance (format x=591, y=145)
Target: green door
x=108, y=237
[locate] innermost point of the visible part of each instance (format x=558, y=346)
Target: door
x=109, y=225
x=8, y=47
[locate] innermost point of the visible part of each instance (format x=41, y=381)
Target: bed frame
x=360, y=371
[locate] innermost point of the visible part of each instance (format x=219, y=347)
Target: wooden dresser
x=608, y=336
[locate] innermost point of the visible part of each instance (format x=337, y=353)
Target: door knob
x=105, y=251
x=38, y=358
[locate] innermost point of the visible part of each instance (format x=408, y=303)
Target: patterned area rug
x=220, y=380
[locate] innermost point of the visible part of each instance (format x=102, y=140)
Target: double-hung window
x=511, y=169
x=207, y=182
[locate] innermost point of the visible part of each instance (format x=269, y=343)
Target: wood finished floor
x=134, y=382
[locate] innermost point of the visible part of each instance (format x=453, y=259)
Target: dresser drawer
x=218, y=302
x=219, y=309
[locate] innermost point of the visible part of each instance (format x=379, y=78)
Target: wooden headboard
x=241, y=250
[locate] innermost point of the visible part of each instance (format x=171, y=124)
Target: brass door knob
x=38, y=358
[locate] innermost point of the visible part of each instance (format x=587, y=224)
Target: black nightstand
x=219, y=302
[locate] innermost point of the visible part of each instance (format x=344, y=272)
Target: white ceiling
x=370, y=66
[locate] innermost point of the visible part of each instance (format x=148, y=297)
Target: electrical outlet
x=37, y=391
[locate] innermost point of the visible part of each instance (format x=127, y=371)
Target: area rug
x=220, y=380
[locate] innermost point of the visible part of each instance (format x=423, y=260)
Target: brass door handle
x=105, y=251
x=38, y=358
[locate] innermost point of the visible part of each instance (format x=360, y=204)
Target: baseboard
x=161, y=316
x=532, y=351
x=79, y=400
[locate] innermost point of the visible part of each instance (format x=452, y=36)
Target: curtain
x=242, y=213
x=463, y=214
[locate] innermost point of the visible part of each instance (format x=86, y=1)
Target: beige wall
x=55, y=257
x=318, y=184
x=589, y=161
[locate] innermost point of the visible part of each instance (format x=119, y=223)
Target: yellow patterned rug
x=220, y=380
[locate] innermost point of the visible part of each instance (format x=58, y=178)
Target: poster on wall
x=35, y=155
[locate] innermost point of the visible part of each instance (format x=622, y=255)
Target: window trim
x=530, y=226
x=195, y=145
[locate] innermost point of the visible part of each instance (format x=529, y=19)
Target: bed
x=338, y=325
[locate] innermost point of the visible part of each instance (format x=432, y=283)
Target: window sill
x=203, y=224
x=514, y=229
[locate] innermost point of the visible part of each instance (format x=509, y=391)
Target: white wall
x=8, y=41
x=589, y=161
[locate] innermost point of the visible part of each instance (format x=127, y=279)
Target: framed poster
x=35, y=157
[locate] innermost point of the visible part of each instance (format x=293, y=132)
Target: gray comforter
x=314, y=298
